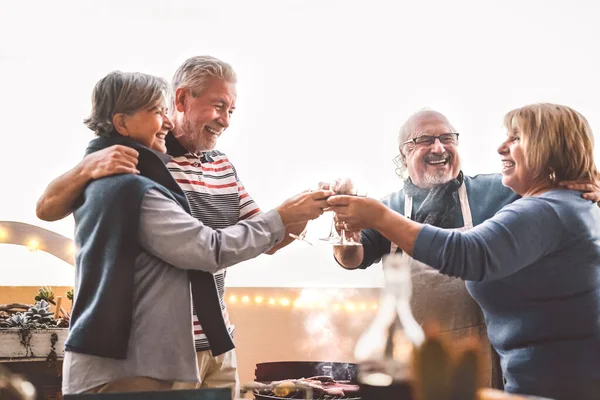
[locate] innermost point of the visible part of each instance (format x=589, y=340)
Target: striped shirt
x=217, y=199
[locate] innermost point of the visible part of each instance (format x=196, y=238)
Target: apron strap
x=464, y=207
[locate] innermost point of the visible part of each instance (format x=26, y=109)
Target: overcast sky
x=323, y=88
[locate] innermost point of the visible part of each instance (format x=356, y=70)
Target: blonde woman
x=534, y=268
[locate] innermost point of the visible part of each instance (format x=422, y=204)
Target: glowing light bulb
x=350, y=307
x=272, y=301
x=258, y=299
x=336, y=307
x=245, y=299
x=232, y=298
x=284, y=302
x=362, y=306
x=33, y=245
x=3, y=233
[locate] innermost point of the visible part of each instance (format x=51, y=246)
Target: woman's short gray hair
x=195, y=72
x=123, y=93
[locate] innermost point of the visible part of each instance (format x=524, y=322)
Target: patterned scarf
x=440, y=202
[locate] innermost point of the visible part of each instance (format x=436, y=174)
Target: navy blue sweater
x=534, y=268
x=106, y=236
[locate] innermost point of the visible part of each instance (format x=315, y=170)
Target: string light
x=314, y=301
x=302, y=304
x=33, y=245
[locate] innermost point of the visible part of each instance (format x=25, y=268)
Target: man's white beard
x=433, y=180
x=195, y=141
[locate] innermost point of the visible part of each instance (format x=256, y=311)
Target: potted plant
x=34, y=331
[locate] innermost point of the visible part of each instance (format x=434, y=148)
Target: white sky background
x=323, y=88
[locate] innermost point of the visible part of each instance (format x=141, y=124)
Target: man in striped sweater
x=203, y=103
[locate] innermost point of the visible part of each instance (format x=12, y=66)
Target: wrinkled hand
x=304, y=206
x=357, y=212
x=591, y=190
x=111, y=161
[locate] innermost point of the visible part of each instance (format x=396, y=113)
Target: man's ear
x=181, y=96
x=402, y=157
x=119, y=121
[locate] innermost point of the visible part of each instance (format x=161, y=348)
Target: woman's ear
x=119, y=121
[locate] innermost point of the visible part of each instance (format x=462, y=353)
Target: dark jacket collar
x=175, y=149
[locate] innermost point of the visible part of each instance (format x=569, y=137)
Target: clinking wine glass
x=342, y=186
x=339, y=186
x=302, y=235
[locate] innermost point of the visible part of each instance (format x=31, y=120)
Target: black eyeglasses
x=428, y=140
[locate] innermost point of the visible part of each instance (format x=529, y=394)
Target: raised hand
x=356, y=212
x=591, y=190
x=111, y=161
x=304, y=206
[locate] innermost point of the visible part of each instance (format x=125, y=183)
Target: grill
x=302, y=396
x=289, y=370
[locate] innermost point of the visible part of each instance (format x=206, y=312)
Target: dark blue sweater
x=534, y=268
x=106, y=236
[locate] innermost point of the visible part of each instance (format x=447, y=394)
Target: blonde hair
x=558, y=142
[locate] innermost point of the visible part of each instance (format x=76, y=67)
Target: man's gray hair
x=195, y=73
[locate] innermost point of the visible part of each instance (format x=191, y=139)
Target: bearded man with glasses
x=436, y=192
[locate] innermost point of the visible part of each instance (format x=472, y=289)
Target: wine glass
x=302, y=235
x=346, y=187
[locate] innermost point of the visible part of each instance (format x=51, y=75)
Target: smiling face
x=147, y=126
x=203, y=118
x=546, y=144
x=515, y=173
x=430, y=165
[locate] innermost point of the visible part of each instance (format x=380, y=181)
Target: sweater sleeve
x=517, y=236
x=171, y=234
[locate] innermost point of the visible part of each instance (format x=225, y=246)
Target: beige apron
x=445, y=299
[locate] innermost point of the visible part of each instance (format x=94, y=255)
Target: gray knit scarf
x=438, y=208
